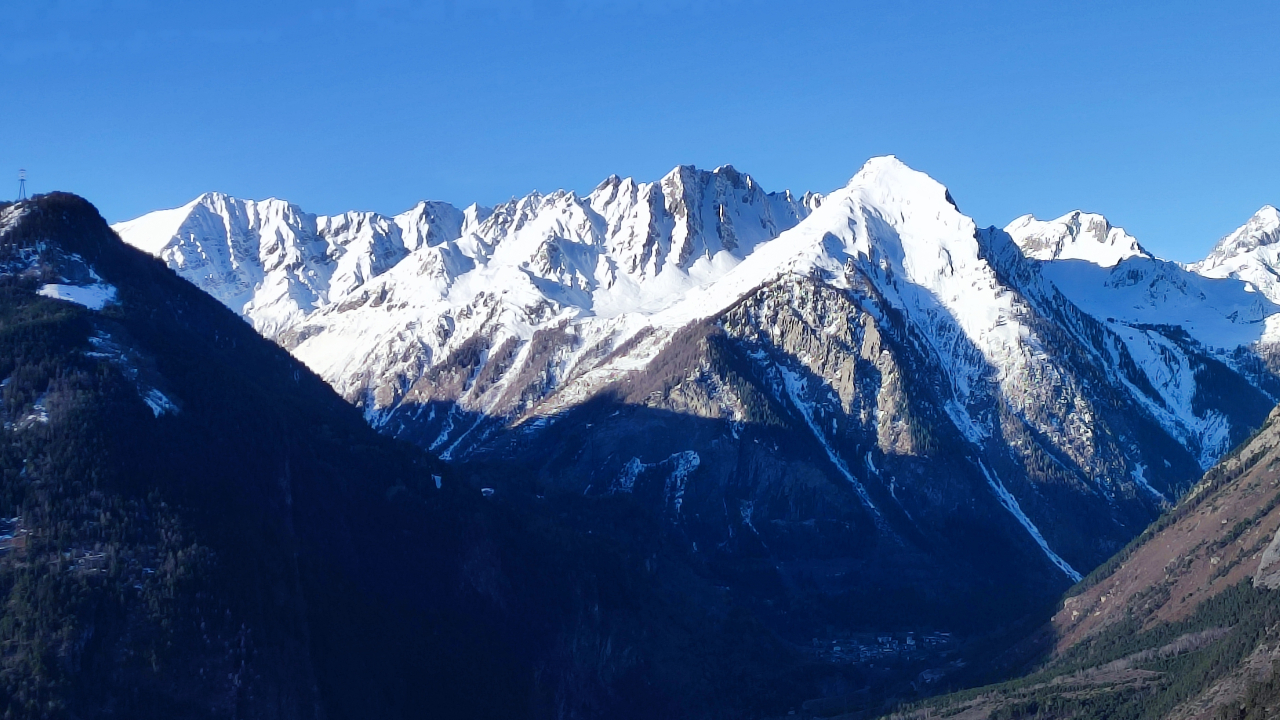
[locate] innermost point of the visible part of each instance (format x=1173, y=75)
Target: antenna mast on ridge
x=22, y=185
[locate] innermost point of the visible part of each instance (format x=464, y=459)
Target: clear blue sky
x=1165, y=116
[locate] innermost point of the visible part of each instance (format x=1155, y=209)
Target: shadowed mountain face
x=192, y=524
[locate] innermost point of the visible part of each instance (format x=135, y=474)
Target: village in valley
x=892, y=648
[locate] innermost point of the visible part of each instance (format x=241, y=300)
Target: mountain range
x=808, y=419
x=866, y=369
x=1182, y=623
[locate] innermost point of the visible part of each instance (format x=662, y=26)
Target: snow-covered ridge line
x=625, y=247
x=372, y=302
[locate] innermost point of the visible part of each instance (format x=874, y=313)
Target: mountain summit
x=1074, y=236
x=1250, y=254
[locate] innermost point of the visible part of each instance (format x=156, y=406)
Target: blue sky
x=1165, y=116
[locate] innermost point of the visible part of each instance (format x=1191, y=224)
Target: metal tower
x=22, y=185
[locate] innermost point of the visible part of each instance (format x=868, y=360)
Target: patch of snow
x=447, y=454
x=447, y=427
x=39, y=414
x=1169, y=370
x=94, y=297
x=682, y=466
x=10, y=216
x=1010, y=503
x=746, y=508
x=626, y=480
x=158, y=403
x=127, y=360
x=1140, y=477
x=673, y=490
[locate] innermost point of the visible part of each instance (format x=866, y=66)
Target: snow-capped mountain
x=253, y=549
x=1075, y=236
x=1163, y=314
x=867, y=370
x=1251, y=253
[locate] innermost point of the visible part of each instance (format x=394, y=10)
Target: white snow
x=94, y=297
x=373, y=303
x=627, y=247
x=682, y=465
x=1011, y=504
x=1074, y=236
x=747, y=508
x=158, y=403
x=128, y=360
x=151, y=232
x=1140, y=477
x=1169, y=371
x=1250, y=254
x=626, y=480
x=1250, y=246
x=10, y=216
x=39, y=413
x=1104, y=272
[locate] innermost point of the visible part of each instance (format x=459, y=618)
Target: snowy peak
x=897, y=224
x=1262, y=230
x=687, y=215
x=428, y=224
x=1105, y=272
x=888, y=170
x=1251, y=254
x=902, y=227
x=1074, y=236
